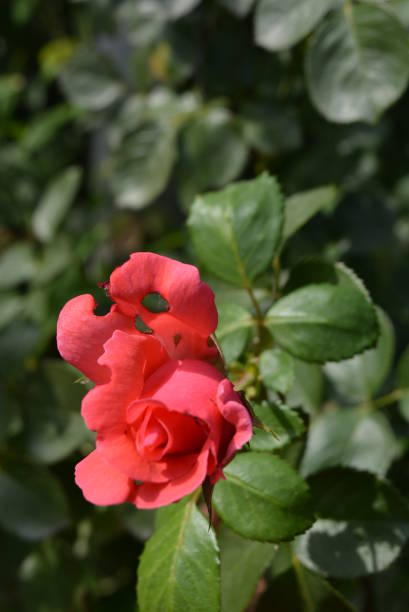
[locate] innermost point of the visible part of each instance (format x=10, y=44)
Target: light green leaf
x=308, y=387
x=358, y=379
x=362, y=527
x=263, y=498
x=238, y=7
x=33, y=504
x=300, y=207
x=279, y=24
x=142, y=163
x=323, y=322
x=350, y=438
x=178, y=569
x=233, y=330
x=177, y=8
x=276, y=370
x=242, y=562
x=239, y=226
x=281, y=426
x=55, y=203
x=89, y=81
x=17, y=264
x=358, y=63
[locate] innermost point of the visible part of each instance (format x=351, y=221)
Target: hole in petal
x=138, y=482
x=154, y=302
x=176, y=339
x=141, y=326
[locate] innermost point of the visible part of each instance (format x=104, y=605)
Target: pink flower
x=165, y=418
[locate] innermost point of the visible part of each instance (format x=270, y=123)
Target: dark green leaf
x=279, y=24
x=33, y=504
x=281, y=426
x=358, y=379
x=178, y=569
x=363, y=524
x=233, y=330
x=300, y=207
x=276, y=370
x=323, y=322
x=55, y=203
x=242, y=562
x=351, y=438
x=403, y=383
x=10, y=416
x=358, y=63
x=214, y=151
x=301, y=590
x=240, y=226
x=263, y=498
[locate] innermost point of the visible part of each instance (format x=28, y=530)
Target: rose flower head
x=166, y=419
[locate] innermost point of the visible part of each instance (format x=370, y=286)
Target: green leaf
x=358, y=379
x=403, y=383
x=263, y=498
x=89, y=81
x=363, y=524
x=238, y=7
x=142, y=162
x=301, y=590
x=281, y=425
x=177, y=8
x=140, y=523
x=276, y=370
x=308, y=388
x=242, y=562
x=44, y=127
x=300, y=207
x=178, y=569
x=233, y=330
x=33, y=504
x=239, y=226
x=11, y=305
x=10, y=416
x=55, y=203
x=350, y=438
x=279, y=24
x=323, y=322
x=213, y=149
x=358, y=63
x=17, y=264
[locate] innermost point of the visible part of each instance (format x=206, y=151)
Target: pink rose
x=166, y=419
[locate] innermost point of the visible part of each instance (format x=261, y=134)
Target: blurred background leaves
x=114, y=116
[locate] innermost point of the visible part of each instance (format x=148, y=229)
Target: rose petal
x=235, y=413
x=129, y=358
x=120, y=451
x=101, y=483
x=150, y=495
x=81, y=335
x=191, y=302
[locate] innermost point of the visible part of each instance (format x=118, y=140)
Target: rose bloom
x=166, y=419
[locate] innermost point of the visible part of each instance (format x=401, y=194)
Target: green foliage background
x=114, y=116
